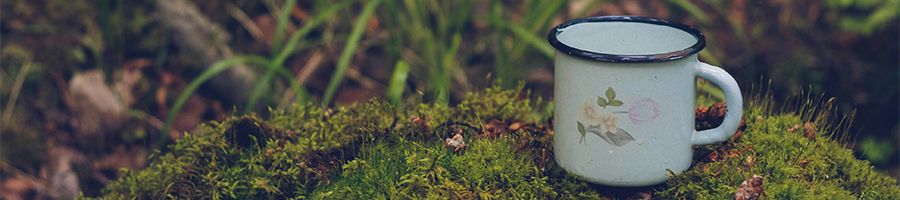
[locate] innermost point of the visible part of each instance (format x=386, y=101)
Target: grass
x=349, y=50
x=398, y=81
x=273, y=66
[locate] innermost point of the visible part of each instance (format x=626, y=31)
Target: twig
x=366, y=82
x=315, y=60
x=245, y=21
x=311, y=65
x=41, y=183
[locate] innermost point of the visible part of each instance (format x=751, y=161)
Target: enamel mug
x=624, y=88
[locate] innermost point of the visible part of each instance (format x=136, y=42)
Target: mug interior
x=626, y=39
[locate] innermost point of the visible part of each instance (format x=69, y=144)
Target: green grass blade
x=210, y=72
x=277, y=63
x=398, y=80
x=530, y=39
x=546, y=15
x=692, y=9
x=349, y=49
x=283, y=19
x=448, y=62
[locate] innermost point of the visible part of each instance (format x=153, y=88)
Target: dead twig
x=315, y=60
x=245, y=21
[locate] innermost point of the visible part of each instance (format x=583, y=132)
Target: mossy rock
x=376, y=150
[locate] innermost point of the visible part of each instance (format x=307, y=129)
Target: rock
x=61, y=173
x=456, y=142
x=95, y=109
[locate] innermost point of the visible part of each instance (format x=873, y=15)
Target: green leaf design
x=615, y=103
x=610, y=94
x=620, y=137
x=602, y=102
x=582, y=130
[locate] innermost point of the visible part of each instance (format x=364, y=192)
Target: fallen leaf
x=122, y=157
x=713, y=157
x=515, y=126
x=750, y=189
x=809, y=131
x=803, y=163
x=645, y=195
x=493, y=129
x=422, y=124
x=709, y=117
x=190, y=116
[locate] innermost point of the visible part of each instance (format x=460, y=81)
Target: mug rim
x=617, y=58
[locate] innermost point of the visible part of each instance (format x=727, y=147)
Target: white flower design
x=589, y=113
x=608, y=123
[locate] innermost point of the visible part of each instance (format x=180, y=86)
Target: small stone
x=750, y=189
x=457, y=143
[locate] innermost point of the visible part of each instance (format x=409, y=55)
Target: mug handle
x=734, y=105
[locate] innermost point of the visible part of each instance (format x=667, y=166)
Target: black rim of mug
x=662, y=57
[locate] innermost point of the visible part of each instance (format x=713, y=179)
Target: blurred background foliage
x=345, y=51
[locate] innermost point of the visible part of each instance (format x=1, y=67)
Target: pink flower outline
x=644, y=110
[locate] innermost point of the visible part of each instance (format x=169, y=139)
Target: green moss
x=378, y=151
x=792, y=165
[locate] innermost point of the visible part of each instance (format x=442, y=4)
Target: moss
x=375, y=150
x=793, y=165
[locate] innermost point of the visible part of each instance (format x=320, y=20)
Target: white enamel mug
x=625, y=94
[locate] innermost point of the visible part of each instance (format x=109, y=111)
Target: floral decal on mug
x=606, y=124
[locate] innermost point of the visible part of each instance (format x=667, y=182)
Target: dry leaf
x=494, y=128
x=515, y=126
x=750, y=189
x=809, y=131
